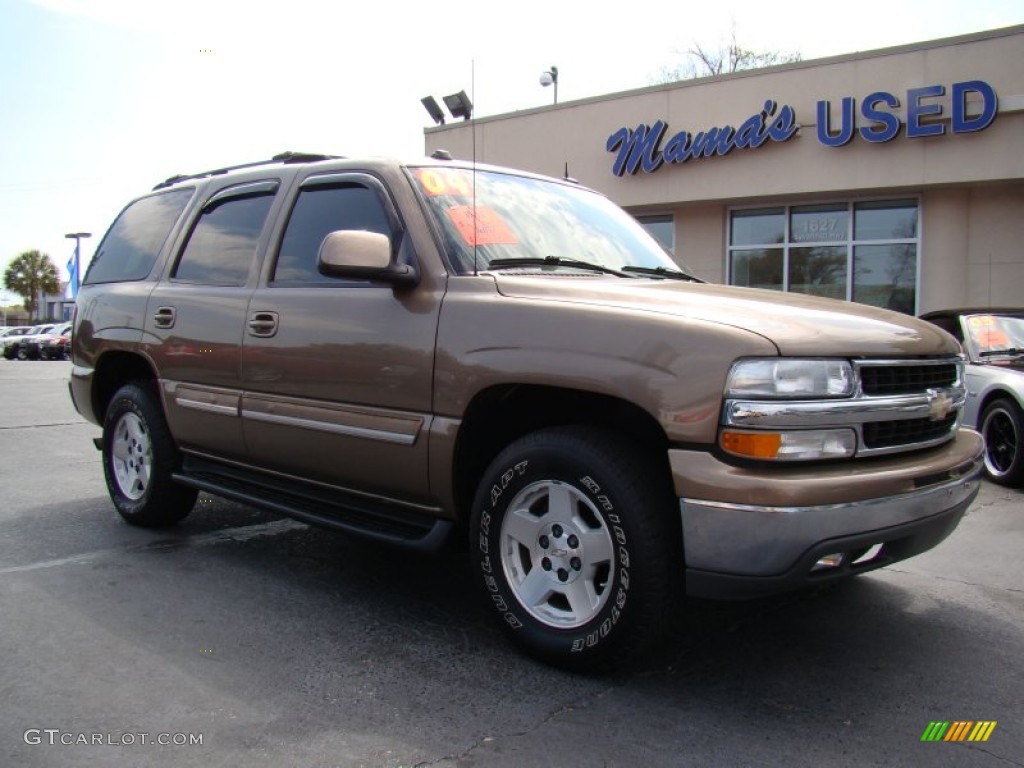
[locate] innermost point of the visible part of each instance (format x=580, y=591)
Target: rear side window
x=222, y=245
x=319, y=211
x=132, y=244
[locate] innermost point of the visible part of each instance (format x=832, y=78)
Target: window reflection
x=222, y=245
x=758, y=268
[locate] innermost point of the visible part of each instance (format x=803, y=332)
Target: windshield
x=533, y=219
x=993, y=335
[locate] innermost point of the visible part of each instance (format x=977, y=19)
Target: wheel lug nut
x=556, y=531
x=573, y=542
x=545, y=564
x=563, y=575
x=544, y=542
x=576, y=564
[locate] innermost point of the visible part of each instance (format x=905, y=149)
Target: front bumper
x=779, y=524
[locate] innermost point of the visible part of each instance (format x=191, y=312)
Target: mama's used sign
x=644, y=147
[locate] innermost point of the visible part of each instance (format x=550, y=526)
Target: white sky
x=101, y=99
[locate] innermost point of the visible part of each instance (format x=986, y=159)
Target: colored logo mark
x=959, y=730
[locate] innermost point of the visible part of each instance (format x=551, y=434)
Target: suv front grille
x=878, y=380
x=890, y=434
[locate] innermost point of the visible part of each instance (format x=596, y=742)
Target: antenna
x=472, y=88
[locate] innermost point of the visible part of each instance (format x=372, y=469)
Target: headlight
x=803, y=445
x=790, y=378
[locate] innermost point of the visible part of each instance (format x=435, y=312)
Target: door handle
x=164, y=317
x=263, y=324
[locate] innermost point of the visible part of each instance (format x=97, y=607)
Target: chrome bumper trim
x=754, y=540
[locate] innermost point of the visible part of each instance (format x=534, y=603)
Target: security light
x=434, y=109
x=550, y=77
x=459, y=105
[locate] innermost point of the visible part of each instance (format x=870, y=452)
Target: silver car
x=993, y=340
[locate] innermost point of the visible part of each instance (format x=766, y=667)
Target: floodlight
x=459, y=105
x=433, y=108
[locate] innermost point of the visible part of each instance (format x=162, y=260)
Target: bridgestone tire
x=577, y=547
x=139, y=457
x=1002, y=426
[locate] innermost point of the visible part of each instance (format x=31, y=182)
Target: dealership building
x=892, y=177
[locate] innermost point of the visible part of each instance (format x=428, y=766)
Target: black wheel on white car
x=1002, y=426
x=139, y=458
x=573, y=536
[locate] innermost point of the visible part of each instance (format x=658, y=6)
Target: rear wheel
x=1002, y=426
x=573, y=537
x=139, y=457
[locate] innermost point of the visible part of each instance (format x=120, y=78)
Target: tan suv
x=407, y=350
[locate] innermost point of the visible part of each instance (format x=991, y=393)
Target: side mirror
x=362, y=255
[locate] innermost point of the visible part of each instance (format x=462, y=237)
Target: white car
x=12, y=344
x=993, y=340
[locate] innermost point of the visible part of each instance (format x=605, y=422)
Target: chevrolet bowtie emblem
x=939, y=405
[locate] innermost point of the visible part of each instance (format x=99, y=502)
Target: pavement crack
x=550, y=717
x=961, y=582
x=42, y=426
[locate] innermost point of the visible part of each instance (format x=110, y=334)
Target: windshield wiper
x=553, y=261
x=672, y=274
x=1008, y=352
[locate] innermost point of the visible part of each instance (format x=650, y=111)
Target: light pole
x=77, y=277
x=550, y=77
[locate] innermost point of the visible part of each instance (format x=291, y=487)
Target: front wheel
x=1002, y=426
x=139, y=457
x=574, y=537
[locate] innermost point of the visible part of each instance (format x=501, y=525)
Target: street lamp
x=76, y=278
x=550, y=77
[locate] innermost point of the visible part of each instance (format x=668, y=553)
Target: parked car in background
x=12, y=344
x=17, y=330
x=57, y=348
x=993, y=340
x=31, y=347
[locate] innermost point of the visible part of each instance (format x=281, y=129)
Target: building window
x=662, y=227
x=859, y=251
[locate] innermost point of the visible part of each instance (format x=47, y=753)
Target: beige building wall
x=970, y=185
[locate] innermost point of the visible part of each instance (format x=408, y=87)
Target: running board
x=328, y=509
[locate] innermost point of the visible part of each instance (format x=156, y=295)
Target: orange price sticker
x=438, y=182
x=482, y=227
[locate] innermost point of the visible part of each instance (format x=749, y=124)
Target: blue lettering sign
x=989, y=104
x=886, y=125
x=916, y=110
x=825, y=135
x=636, y=148
x=640, y=148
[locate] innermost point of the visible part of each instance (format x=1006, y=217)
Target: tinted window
x=133, y=242
x=318, y=212
x=222, y=245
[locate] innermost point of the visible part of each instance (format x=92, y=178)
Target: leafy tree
x=730, y=56
x=30, y=274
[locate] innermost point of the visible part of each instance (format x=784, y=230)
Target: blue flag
x=72, y=289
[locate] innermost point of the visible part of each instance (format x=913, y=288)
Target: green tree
x=29, y=275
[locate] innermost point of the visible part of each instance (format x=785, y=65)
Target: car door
x=337, y=372
x=196, y=315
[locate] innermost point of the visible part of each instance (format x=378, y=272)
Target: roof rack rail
x=287, y=158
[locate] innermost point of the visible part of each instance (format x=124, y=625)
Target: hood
x=795, y=323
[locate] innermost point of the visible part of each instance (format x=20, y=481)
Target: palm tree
x=29, y=275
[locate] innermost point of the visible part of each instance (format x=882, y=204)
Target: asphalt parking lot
x=275, y=644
